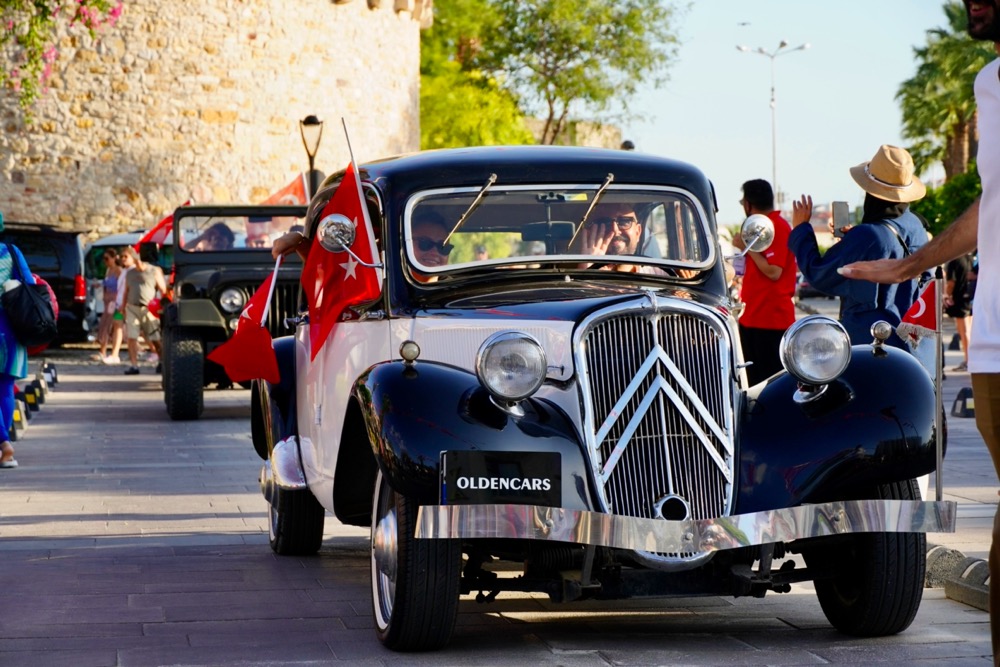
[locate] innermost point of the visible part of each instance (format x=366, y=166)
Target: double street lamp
x=311, y=129
x=782, y=50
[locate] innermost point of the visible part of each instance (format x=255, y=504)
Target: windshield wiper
x=473, y=206
x=593, y=203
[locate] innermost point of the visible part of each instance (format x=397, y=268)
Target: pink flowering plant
x=27, y=40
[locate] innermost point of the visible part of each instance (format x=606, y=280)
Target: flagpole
x=938, y=382
x=270, y=292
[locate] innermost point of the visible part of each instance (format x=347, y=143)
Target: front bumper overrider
x=535, y=522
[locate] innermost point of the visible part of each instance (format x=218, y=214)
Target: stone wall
x=201, y=100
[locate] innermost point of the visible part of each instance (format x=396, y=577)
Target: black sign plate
x=494, y=477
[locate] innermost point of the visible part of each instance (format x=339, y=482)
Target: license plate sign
x=518, y=478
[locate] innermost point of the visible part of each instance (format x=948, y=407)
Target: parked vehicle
x=581, y=425
x=57, y=256
x=220, y=258
x=94, y=268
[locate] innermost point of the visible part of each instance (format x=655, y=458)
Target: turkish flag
x=296, y=192
x=161, y=231
x=921, y=319
x=249, y=354
x=333, y=282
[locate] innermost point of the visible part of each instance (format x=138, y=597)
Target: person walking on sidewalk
x=958, y=302
x=767, y=289
x=14, y=362
x=142, y=282
x=978, y=225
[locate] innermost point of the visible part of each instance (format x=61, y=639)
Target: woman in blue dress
x=13, y=355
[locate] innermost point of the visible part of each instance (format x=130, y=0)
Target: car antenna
x=473, y=206
x=593, y=203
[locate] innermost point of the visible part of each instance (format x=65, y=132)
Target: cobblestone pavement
x=129, y=540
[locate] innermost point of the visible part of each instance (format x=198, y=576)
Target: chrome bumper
x=282, y=471
x=622, y=532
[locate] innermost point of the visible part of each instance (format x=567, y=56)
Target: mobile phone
x=841, y=217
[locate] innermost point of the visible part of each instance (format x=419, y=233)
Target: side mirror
x=757, y=233
x=335, y=233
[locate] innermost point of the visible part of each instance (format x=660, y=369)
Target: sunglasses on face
x=624, y=222
x=426, y=245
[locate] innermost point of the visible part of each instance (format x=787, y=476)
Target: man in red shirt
x=768, y=287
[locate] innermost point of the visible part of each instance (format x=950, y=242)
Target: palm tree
x=939, y=110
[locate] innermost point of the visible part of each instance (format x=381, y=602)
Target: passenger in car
x=429, y=232
x=216, y=237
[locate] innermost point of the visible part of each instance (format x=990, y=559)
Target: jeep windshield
x=232, y=232
x=653, y=230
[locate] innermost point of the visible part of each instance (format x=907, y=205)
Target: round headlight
x=816, y=349
x=511, y=365
x=232, y=299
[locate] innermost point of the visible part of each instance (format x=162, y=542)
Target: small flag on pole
x=249, y=353
x=921, y=319
x=161, y=231
x=335, y=282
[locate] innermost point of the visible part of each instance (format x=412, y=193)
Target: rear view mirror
x=757, y=233
x=540, y=231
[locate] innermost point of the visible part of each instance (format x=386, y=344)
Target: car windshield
x=226, y=233
x=657, y=228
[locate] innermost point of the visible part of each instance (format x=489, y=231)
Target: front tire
x=295, y=523
x=184, y=389
x=415, y=583
x=879, y=577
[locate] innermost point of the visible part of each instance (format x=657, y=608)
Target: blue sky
x=835, y=101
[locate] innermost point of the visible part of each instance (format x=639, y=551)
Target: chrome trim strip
x=534, y=522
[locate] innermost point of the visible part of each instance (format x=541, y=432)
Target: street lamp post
x=311, y=129
x=773, y=55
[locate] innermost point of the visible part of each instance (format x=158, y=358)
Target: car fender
x=873, y=425
x=272, y=405
x=414, y=413
x=198, y=313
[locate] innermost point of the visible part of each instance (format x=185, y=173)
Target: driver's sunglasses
x=624, y=222
x=426, y=245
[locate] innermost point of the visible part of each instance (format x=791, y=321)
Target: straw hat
x=889, y=175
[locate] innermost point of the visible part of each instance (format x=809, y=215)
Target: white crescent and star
x=920, y=311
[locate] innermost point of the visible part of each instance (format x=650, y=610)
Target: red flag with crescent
x=334, y=282
x=921, y=319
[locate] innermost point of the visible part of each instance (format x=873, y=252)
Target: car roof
x=125, y=238
x=38, y=228
x=534, y=164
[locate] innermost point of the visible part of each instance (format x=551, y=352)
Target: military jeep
x=222, y=254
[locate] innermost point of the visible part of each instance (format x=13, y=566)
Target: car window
x=526, y=225
x=39, y=251
x=227, y=233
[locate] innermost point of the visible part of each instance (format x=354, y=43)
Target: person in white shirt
x=978, y=225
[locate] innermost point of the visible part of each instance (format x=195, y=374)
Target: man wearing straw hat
x=961, y=237
x=888, y=230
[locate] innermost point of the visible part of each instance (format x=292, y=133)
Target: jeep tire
x=184, y=390
x=879, y=577
x=295, y=523
x=415, y=583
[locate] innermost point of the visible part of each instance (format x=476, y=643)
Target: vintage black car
x=586, y=416
x=220, y=255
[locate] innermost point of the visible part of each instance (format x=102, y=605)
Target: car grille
x=659, y=401
x=284, y=303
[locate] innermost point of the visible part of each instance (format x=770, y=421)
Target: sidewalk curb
x=965, y=580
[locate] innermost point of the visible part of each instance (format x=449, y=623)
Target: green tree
x=28, y=36
x=937, y=103
x=459, y=104
x=563, y=57
x=943, y=204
